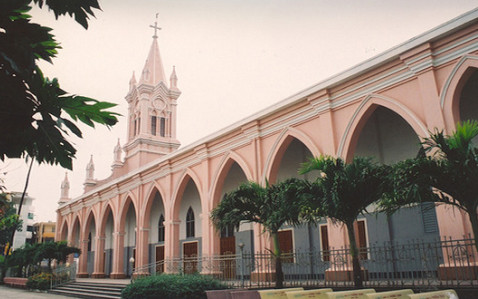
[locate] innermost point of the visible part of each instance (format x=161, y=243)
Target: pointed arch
x=90, y=215
x=146, y=209
x=65, y=225
x=280, y=146
x=76, y=219
x=107, y=208
x=187, y=175
x=221, y=174
x=124, y=207
x=451, y=91
x=363, y=113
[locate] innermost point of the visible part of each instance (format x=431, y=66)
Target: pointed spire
x=117, y=156
x=173, y=79
x=65, y=190
x=153, y=71
x=132, y=82
x=90, y=170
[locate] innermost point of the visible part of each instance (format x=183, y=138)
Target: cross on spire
x=156, y=28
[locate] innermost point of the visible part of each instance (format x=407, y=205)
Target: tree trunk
x=357, y=273
x=12, y=236
x=474, y=225
x=278, y=261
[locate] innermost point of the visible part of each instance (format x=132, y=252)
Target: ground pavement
x=7, y=293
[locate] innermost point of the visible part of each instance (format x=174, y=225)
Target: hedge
x=172, y=286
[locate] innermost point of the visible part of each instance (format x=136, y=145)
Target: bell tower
x=152, y=110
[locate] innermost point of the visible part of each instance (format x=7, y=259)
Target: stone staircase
x=90, y=290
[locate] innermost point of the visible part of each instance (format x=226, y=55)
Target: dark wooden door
x=228, y=245
x=228, y=259
x=159, y=259
x=324, y=238
x=361, y=239
x=286, y=246
x=190, y=254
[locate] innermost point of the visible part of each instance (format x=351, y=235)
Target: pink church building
x=155, y=205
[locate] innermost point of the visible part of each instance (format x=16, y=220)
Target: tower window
x=153, y=125
x=162, y=127
x=135, y=127
x=161, y=229
x=190, y=223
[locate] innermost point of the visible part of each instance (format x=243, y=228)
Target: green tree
x=36, y=115
x=445, y=171
x=58, y=251
x=271, y=206
x=9, y=220
x=342, y=192
x=22, y=260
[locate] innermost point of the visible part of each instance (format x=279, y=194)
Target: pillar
x=118, y=252
x=142, y=251
x=171, y=251
x=82, y=263
x=99, y=265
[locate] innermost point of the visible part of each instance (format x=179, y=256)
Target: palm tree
x=448, y=174
x=343, y=191
x=271, y=206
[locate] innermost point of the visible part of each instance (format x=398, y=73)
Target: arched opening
x=468, y=99
x=129, y=238
x=75, y=238
x=157, y=232
x=388, y=138
x=76, y=233
x=64, y=231
x=228, y=237
x=108, y=233
x=190, y=234
x=291, y=154
x=288, y=159
x=90, y=231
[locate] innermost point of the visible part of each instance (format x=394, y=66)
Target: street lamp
x=131, y=261
x=241, y=247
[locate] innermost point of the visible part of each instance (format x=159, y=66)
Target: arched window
x=89, y=242
x=161, y=229
x=153, y=125
x=190, y=223
x=162, y=127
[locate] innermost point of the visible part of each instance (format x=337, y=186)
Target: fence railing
x=63, y=274
x=413, y=264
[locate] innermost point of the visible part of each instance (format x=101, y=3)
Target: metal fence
x=414, y=264
x=63, y=274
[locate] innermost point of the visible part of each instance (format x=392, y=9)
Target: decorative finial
x=156, y=28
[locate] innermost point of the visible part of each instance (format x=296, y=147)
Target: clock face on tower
x=159, y=104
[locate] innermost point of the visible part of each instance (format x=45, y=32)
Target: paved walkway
x=7, y=292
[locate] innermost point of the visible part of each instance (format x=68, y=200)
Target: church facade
x=155, y=206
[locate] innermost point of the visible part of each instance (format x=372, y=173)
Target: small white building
x=27, y=215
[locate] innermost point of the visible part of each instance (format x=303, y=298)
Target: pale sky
x=232, y=57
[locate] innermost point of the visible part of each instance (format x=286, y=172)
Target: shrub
x=170, y=286
x=40, y=281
